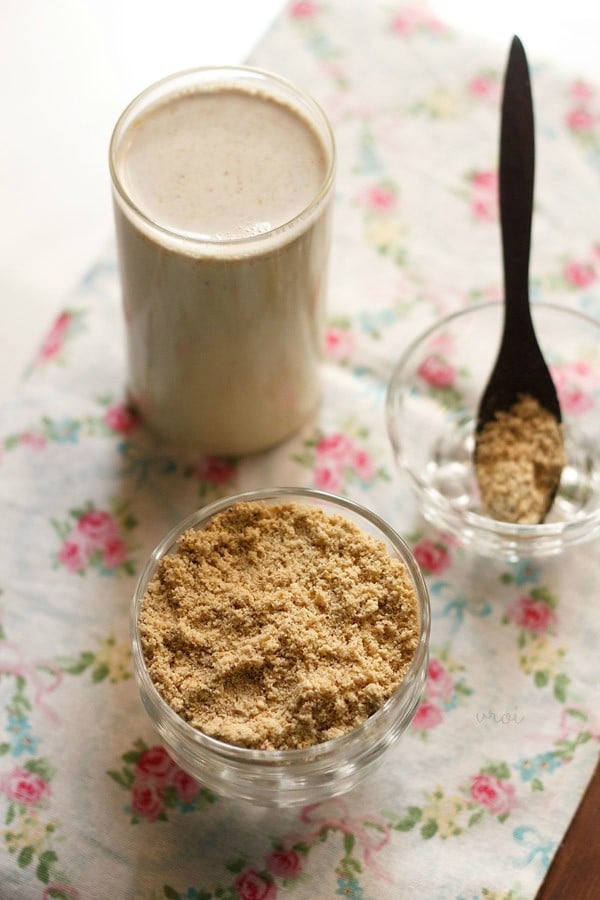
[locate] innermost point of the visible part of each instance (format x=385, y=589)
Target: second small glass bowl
x=287, y=777
x=432, y=403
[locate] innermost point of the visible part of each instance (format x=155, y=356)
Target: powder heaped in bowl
x=278, y=626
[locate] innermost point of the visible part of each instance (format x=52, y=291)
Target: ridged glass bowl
x=287, y=777
x=431, y=409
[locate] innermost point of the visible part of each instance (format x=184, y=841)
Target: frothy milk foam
x=224, y=299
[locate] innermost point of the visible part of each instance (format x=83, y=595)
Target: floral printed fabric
x=476, y=797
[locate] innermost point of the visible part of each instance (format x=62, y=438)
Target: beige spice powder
x=278, y=626
x=520, y=456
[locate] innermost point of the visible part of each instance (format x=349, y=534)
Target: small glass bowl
x=431, y=409
x=287, y=777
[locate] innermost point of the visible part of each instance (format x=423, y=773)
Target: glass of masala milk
x=223, y=184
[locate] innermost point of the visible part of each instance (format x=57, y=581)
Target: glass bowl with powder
x=492, y=507
x=280, y=644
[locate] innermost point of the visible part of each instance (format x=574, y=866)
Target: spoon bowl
x=520, y=371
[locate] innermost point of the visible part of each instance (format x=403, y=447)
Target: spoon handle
x=517, y=162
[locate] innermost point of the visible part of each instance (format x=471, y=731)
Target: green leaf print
x=124, y=779
x=410, y=819
x=561, y=683
x=40, y=767
x=25, y=857
x=170, y=893
x=236, y=866
x=498, y=770
x=112, y=660
x=540, y=679
x=349, y=842
x=476, y=817
x=79, y=665
x=429, y=829
x=543, y=594
x=100, y=673
x=46, y=860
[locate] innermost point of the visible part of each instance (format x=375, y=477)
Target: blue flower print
x=525, y=572
x=543, y=763
x=349, y=887
x=65, y=431
x=22, y=740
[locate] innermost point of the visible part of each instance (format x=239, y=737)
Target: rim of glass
x=228, y=74
x=324, y=748
x=514, y=531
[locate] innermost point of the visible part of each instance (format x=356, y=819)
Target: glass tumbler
x=223, y=182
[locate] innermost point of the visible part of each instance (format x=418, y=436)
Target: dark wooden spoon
x=520, y=368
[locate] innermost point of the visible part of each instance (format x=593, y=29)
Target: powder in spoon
x=520, y=455
x=278, y=626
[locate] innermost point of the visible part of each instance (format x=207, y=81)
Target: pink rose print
x=303, y=9
x=21, y=786
x=497, y=796
x=154, y=771
x=574, y=384
x=155, y=765
x=484, y=87
x=582, y=369
x=579, y=274
x=484, y=197
x=284, y=863
x=338, y=343
x=531, y=614
x=155, y=784
x=213, y=469
x=337, y=454
x=575, y=401
x=444, y=691
x=582, y=90
x=35, y=441
x=363, y=465
x=437, y=372
x=146, y=800
x=580, y=120
x=415, y=18
x=427, y=716
x=122, y=419
x=95, y=538
x=252, y=886
x=337, y=447
x=72, y=556
x=485, y=180
x=338, y=458
x=51, y=347
x=96, y=527
x=187, y=789
x=439, y=680
x=431, y=557
x=379, y=198
x=327, y=477
x=114, y=552
x=53, y=342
